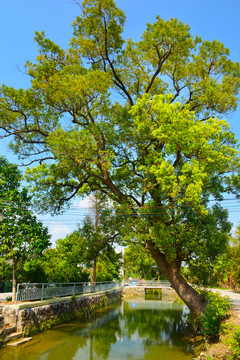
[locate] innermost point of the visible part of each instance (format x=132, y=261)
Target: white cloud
x=85, y=203
x=58, y=231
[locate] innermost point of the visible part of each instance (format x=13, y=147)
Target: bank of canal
x=134, y=329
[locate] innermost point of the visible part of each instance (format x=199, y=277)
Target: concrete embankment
x=166, y=293
x=34, y=317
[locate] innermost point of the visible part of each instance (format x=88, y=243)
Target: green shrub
x=234, y=343
x=216, y=310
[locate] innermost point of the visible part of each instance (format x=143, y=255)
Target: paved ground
x=4, y=295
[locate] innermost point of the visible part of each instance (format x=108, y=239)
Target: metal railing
x=36, y=291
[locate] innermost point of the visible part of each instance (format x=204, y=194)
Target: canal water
x=133, y=330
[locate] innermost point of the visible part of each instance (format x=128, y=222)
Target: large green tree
x=137, y=122
x=22, y=236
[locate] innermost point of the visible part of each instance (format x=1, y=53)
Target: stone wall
x=34, y=319
x=131, y=291
x=1, y=324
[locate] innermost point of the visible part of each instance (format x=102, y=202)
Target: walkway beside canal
x=3, y=296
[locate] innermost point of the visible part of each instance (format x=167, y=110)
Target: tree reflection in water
x=155, y=326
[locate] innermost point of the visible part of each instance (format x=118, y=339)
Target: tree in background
x=109, y=265
x=5, y=277
x=72, y=260
x=89, y=250
x=159, y=152
x=52, y=267
x=22, y=236
x=61, y=266
x=234, y=256
x=98, y=233
x=139, y=262
x=224, y=271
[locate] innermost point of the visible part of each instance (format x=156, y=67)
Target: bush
x=216, y=310
x=234, y=343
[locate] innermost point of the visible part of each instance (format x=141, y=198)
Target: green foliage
x=232, y=259
x=77, y=250
x=53, y=266
x=108, y=266
x=234, y=343
x=216, y=310
x=92, y=243
x=57, y=267
x=23, y=237
x=209, y=274
x=32, y=271
x=5, y=271
x=139, y=263
x=224, y=271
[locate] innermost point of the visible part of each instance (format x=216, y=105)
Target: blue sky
x=212, y=19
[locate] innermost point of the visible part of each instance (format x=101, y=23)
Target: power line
x=129, y=207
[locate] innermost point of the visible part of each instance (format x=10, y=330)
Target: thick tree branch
x=161, y=61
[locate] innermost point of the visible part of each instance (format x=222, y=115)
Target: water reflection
x=135, y=330
x=156, y=323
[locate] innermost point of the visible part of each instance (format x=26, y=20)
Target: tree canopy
x=137, y=122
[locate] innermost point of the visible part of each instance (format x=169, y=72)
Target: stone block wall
x=10, y=314
x=2, y=324
x=32, y=320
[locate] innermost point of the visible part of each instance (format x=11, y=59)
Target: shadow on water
x=134, y=330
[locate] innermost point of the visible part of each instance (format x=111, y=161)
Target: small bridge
x=153, y=284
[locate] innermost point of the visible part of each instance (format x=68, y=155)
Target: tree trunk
x=14, y=284
x=143, y=272
x=94, y=271
x=195, y=301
